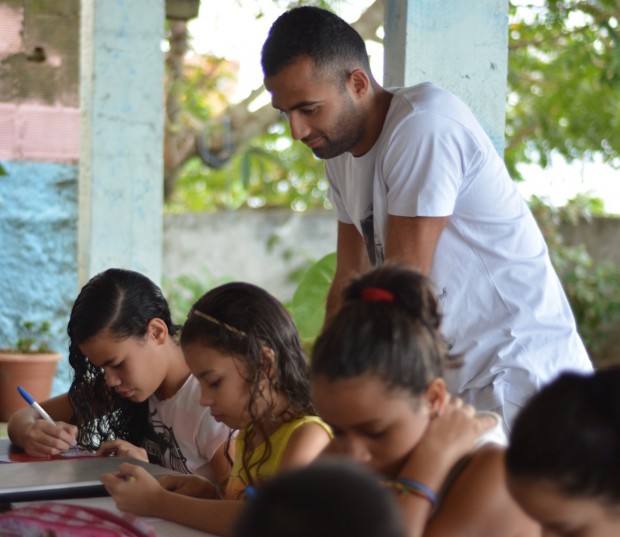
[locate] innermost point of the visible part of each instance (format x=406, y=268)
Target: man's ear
x=358, y=83
x=158, y=330
x=436, y=396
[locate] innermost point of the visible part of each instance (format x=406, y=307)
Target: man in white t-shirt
x=415, y=179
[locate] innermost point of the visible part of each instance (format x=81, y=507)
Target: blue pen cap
x=29, y=399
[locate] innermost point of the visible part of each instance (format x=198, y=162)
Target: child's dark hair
x=122, y=303
x=245, y=321
x=388, y=325
x=568, y=435
x=329, y=497
x=318, y=34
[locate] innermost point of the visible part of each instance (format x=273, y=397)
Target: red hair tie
x=376, y=294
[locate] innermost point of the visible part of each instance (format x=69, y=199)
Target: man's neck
x=378, y=107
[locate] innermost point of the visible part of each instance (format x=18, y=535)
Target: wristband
x=410, y=486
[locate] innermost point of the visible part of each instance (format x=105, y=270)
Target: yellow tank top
x=279, y=440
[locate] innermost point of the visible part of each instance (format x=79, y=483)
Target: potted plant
x=29, y=363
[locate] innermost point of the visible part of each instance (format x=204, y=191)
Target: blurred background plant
x=182, y=292
x=593, y=289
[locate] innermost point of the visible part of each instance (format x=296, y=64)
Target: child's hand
x=448, y=438
x=133, y=489
x=455, y=430
x=189, y=485
x=122, y=447
x=44, y=439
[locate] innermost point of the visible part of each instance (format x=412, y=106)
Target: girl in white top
x=132, y=391
x=377, y=381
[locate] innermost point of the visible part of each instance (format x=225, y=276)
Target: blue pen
x=30, y=400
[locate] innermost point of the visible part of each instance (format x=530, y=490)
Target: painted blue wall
x=38, y=244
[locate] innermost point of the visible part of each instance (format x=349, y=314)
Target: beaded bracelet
x=403, y=490
x=404, y=487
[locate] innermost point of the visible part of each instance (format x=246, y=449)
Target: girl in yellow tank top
x=243, y=347
x=270, y=465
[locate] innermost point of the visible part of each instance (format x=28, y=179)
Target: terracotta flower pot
x=35, y=372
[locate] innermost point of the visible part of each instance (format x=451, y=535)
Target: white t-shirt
x=504, y=308
x=187, y=436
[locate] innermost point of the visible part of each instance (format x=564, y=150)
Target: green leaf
x=308, y=303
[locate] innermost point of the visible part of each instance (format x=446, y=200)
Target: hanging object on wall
x=215, y=144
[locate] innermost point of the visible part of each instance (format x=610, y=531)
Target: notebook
x=67, y=478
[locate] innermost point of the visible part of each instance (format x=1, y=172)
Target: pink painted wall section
x=12, y=21
x=39, y=80
x=36, y=132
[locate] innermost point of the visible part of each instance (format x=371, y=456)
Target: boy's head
x=331, y=497
x=562, y=460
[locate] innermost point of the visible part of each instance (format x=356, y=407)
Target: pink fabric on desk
x=67, y=520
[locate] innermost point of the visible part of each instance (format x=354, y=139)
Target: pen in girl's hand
x=30, y=400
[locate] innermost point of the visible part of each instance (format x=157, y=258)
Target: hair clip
x=376, y=294
x=218, y=322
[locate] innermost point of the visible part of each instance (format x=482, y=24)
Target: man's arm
x=351, y=258
x=413, y=240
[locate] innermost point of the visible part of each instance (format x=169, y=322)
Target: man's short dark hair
x=318, y=34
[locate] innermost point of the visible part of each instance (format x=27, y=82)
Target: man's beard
x=347, y=132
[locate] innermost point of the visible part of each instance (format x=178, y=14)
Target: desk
x=163, y=528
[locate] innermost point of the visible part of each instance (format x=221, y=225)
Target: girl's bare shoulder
x=305, y=444
x=477, y=501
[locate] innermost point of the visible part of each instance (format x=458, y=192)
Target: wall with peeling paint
x=79, y=80
x=39, y=149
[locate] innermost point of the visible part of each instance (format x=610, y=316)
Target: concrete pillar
x=121, y=127
x=459, y=45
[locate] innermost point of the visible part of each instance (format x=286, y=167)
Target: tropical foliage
x=564, y=82
x=593, y=289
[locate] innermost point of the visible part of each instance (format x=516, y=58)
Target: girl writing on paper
x=132, y=392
